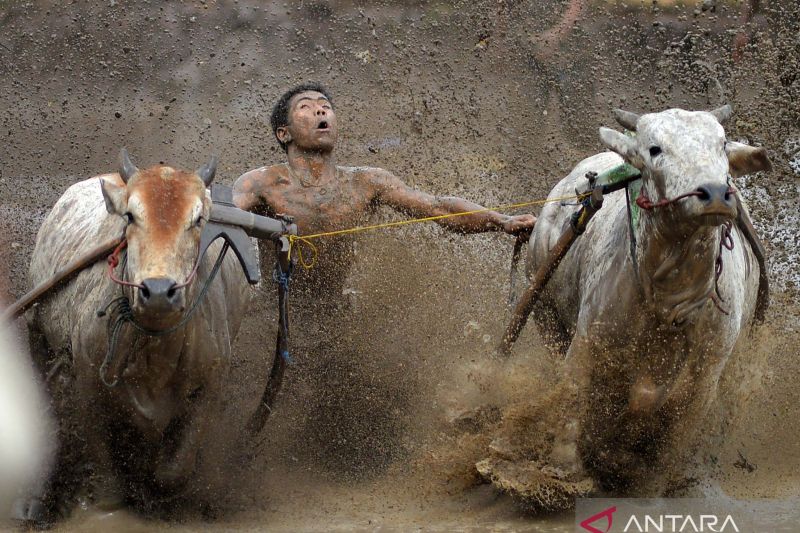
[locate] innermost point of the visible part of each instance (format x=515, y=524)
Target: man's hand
x=519, y=224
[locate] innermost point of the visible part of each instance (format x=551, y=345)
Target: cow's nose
x=159, y=294
x=715, y=195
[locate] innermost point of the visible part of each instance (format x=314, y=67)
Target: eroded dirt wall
x=454, y=97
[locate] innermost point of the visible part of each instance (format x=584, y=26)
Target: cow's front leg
x=577, y=372
x=694, y=436
x=177, y=457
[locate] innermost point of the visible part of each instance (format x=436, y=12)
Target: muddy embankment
x=459, y=98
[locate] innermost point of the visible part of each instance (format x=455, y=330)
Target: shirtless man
x=325, y=197
x=344, y=407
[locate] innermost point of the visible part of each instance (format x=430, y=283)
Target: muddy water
x=454, y=98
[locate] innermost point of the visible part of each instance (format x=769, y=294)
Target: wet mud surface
x=456, y=98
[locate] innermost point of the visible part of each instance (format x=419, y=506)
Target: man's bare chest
x=316, y=208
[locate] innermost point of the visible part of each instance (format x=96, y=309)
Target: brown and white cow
x=648, y=333
x=149, y=412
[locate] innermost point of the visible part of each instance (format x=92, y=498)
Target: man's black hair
x=280, y=113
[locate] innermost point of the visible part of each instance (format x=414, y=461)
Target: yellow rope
x=306, y=239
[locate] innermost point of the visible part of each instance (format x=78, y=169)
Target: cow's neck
x=676, y=271
x=156, y=358
x=150, y=374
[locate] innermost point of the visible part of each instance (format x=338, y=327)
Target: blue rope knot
x=282, y=278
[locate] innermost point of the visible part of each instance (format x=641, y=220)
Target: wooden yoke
x=31, y=297
x=235, y=226
x=524, y=306
x=226, y=221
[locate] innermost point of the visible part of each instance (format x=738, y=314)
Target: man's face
x=312, y=122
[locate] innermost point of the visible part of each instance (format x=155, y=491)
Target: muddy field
x=462, y=98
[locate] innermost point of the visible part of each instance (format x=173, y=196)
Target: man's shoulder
x=267, y=171
x=265, y=175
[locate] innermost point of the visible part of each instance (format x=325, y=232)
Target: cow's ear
x=116, y=196
x=618, y=142
x=744, y=159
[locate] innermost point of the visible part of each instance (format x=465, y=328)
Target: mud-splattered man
x=323, y=196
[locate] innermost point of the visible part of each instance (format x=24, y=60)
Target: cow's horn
x=626, y=119
x=722, y=114
x=126, y=168
x=207, y=171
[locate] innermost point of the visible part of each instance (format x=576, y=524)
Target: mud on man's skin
x=323, y=196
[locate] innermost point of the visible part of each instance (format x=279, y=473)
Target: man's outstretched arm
x=392, y=191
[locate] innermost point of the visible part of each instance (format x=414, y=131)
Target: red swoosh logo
x=608, y=514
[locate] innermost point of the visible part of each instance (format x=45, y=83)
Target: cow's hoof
x=30, y=511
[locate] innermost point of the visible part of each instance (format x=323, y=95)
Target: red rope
x=191, y=275
x=725, y=241
x=113, y=262
x=647, y=204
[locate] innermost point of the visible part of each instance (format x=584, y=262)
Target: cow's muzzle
x=161, y=296
x=717, y=199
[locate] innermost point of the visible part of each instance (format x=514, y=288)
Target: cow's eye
x=655, y=150
x=199, y=221
x=129, y=218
